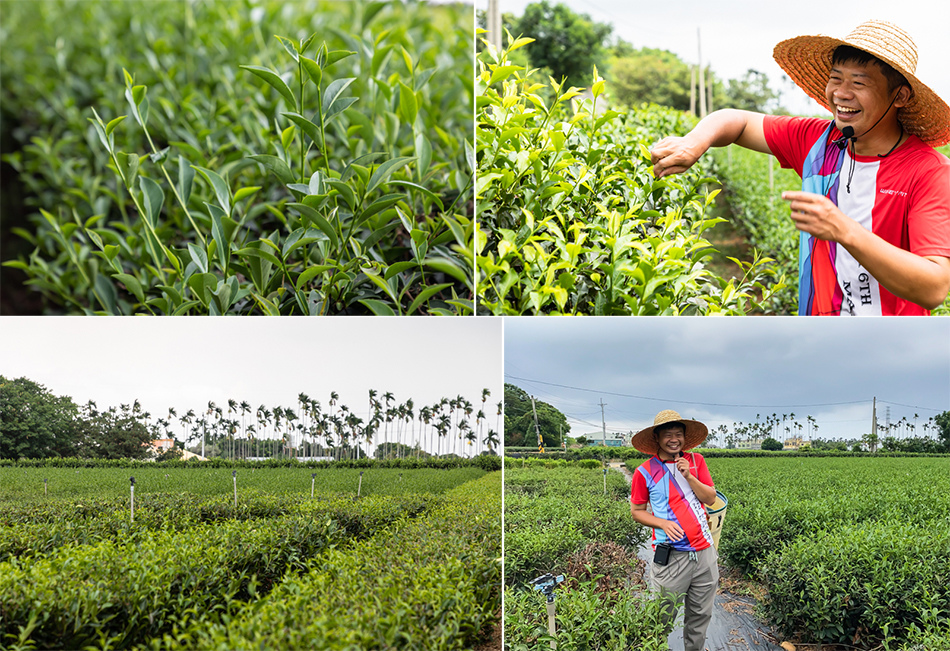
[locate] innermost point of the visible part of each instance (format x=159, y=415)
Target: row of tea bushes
x=852, y=551
x=558, y=519
x=97, y=483
x=132, y=590
x=37, y=530
x=432, y=583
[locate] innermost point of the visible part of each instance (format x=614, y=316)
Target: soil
x=730, y=240
x=493, y=643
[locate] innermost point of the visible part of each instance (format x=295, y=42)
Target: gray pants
x=692, y=580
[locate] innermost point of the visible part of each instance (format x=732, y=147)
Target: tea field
x=851, y=551
x=281, y=569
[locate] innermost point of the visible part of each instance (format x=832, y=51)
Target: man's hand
x=817, y=215
x=674, y=155
x=683, y=466
x=672, y=530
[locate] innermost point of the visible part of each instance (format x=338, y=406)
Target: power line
x=693, y=402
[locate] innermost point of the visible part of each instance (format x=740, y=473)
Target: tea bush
x=135, y=589
x=263, y=171
x=433, y=583
x=862, y=583
x=38, y=530
x=769, y=505
x=26, y=485
x=585, y=619
x=851, y=551
x=171, y=580
x=551, y=514
x=570, y=217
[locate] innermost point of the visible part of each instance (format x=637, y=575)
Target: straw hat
x=807, y=60
x=696, y=432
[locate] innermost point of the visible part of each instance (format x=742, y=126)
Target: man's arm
x=674, y=155
x=924, y=280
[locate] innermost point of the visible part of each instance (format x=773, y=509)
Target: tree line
x=567, y=45
x=35, y=423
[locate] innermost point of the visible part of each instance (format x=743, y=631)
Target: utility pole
x=603, y=422
x=494, y=24
x=692, y=90
x=702, y=80
x=874, y=418
x=536, y=428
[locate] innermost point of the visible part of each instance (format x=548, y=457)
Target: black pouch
x=662, y=554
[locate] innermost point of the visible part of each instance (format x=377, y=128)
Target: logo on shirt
x=897, y=193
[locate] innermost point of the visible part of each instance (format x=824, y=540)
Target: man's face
x=858, y=95
x=671, y=440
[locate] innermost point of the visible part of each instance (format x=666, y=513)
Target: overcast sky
x=707, y=368
x=185, y=362
x=739, y=34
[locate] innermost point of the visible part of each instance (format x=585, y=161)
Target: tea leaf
x=385, y=170
x=308, y=127
x=378, y=307
x=221, y=190
x=333, y=92
x=314, y=72
x=428, y=193
x=274, y=80
x=113, y=124
x=133, y=285
x=425, y=295
x=308, y=275
x=408, y=106
x=275, y=165
x=199, y=256
x=290, y=46
x=335, y=55
x=317, y=219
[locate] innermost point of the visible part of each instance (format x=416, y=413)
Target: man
x=874, y=210
x=676, y=484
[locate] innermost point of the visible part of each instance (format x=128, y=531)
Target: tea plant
x=570, y=217
x=859, y=571
x=586, y=619
x=430, y=583
x=551, y=514
x=305, y=177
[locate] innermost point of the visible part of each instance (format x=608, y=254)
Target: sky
x=725, y=370
x=185, y=362
x=738, y=35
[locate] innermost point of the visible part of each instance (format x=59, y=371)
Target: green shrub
x=552, y=513
x=135, y=589
x=571, y=220
x=432, y=583
x=861, y=583
x=587, y=619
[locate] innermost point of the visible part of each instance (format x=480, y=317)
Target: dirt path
x=733, y=626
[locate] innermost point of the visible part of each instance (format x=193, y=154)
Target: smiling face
x=670, y=440
x=859, y=94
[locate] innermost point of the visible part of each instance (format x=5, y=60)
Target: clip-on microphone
x=846, y=134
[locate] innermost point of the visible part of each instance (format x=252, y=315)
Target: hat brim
x=807, y=61
x=696, y=433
